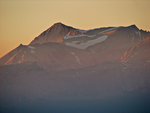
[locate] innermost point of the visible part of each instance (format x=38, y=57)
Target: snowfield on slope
x=84, y=45
x=88, y=36
x=79, y=36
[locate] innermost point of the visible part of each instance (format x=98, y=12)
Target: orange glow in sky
x=22, y=20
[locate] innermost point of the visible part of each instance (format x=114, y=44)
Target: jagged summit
x=131, y=27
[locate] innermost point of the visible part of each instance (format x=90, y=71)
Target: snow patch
x=87, y=36
x=73, y=36
x=86, y=44
x=31, y=47
x=79, y=36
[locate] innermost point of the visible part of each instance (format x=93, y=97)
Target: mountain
x=64, y=47
x=69, y=70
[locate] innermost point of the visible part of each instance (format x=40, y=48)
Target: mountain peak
x=134, y=27
x=60, y=25
x=54, y=34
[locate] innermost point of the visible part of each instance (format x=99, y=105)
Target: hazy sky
x=22, y=20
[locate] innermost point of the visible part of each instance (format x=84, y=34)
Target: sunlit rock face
x=55, y=34
x=69, y=70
